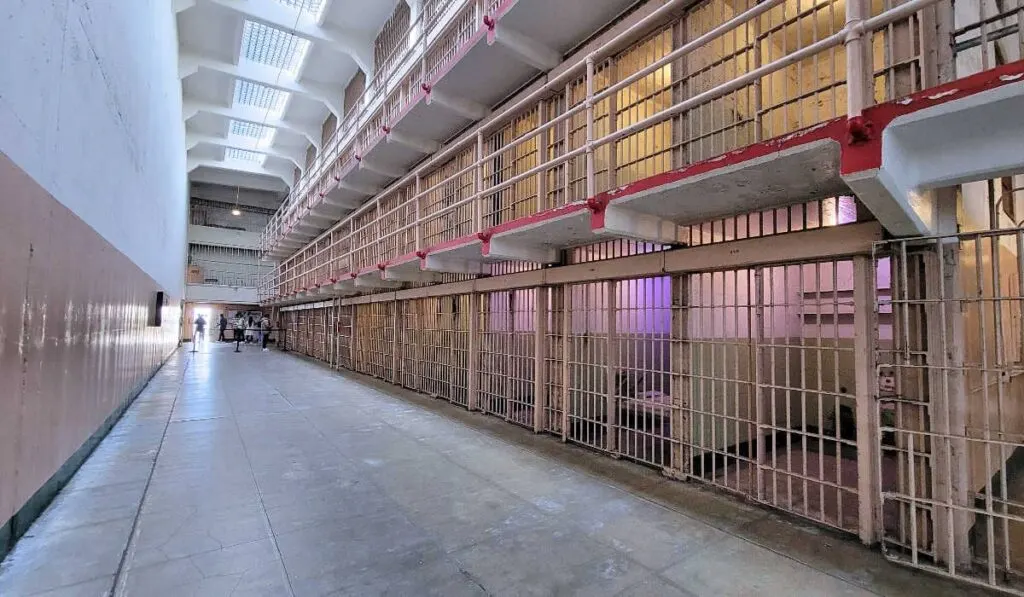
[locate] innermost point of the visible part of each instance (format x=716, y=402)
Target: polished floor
x=265, y=474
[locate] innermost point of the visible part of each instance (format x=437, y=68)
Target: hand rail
x=852, y=34
x=347, y=131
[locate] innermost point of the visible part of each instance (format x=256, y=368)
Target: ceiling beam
x=262, y=170
x=191, y=107
x=190, y=63
x=192, y=139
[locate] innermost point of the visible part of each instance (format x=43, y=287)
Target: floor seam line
x=259, y=495
x=120, y=578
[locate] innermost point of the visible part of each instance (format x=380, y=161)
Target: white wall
x=222, y=237
x=90, y=107
x=199, y=293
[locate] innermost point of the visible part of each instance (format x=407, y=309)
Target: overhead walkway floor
x=265, y=474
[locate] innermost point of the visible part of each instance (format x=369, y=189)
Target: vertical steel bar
x=612, y=366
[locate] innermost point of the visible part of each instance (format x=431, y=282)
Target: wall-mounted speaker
x=156, y=309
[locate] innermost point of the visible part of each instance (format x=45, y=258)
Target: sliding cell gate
x=771, y=396
x=951, y=404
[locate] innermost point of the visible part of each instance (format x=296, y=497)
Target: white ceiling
x=279, y=125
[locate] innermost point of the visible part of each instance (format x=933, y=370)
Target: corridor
x=266, y=474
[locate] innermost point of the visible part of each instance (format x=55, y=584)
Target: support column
x=472, y=356
x=565, y=298
x=869, y=488
x=478, y=199
x=947, y=398
x=762, y=404
x=611, y=367
x=679, y=354
x=396, y=346
x=540, y=353
x=510, y=346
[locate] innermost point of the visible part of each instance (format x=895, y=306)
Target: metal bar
x=869, y=486
x=821, y=243
x=473, y=357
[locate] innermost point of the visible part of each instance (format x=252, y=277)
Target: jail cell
x=318, y=320
x=950, y=407
x=800, y=95
x=445, y=206
x=396, y=227
x=435, y=346
x=365, y=237
x=292, y=330
x=575, y=132
x=556, y=349
x=649, y=151
x=343, y=331
x=459, y=370
x=301, y=339
x=771, y=397
x=410, y=325
x=506, y=356
x=585, y=418
x=641, y=391
x=521, y=198
x=375, y=323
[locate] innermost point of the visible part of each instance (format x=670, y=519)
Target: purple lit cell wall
x=511, y=311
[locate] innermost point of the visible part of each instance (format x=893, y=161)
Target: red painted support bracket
x=598, y=203
x=859, y=130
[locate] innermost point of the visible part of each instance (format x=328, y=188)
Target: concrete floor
x=266, y=474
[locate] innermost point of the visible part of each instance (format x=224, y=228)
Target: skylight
x=312, y=7
x=255, y=95
x=258, y=135
x=241, y=155
x=273, y=47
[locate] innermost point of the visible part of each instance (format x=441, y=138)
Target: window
x=311, y=7
x=255, y=95
x=273, y=47
x=248, y=132
x=241, y=155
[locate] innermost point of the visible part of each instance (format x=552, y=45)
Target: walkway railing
x=397, y=78
x=581, y=122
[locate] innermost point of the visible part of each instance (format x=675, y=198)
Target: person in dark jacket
x=223, y=325
x=240, y=326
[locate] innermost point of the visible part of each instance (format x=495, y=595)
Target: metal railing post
x=479, y=184
x=589, y=102
x=856, y=63
x=418, y=225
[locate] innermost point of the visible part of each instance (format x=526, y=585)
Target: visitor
x=239, y=330
x=223, y=325
x=265, y=332
x=200, y=330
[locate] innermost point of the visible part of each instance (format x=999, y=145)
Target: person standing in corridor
x=223, y=325
x=265, y=331
x=239, y=326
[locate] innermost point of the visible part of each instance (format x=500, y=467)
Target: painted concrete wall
x=223, y=237
x=90, y=107
x=93, y=218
